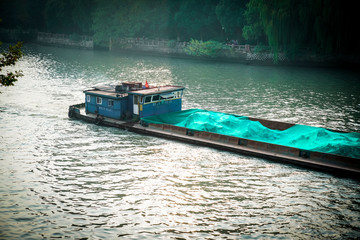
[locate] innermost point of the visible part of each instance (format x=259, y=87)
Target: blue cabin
x=132, y=99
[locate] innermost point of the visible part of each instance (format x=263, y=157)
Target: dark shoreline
x=336, y=64
x=347, y=63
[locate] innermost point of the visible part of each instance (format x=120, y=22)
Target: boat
x=157, y=111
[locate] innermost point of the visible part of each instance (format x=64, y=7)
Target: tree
x=254, y=30
x=58, y=16
x=156, y=19
x=231, y=16
x=290, y=26
x=197, y=19
x=82, y=15
x=7, y=59
x=109, y=20
x=127, y=18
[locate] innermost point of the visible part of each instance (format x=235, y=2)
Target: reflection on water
x=62, y=178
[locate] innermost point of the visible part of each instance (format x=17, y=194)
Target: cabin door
x=136, y=105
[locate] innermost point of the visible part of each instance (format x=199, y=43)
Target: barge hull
x=339, y=165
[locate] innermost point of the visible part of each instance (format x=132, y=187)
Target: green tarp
x=298, y=136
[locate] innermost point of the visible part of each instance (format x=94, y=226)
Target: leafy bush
x=171, y=43
x=210, y=49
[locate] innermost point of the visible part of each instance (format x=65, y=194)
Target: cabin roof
x=110, y=91
x=156, y=90
x=111, y=94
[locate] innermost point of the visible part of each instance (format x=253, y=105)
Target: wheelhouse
x=132, y=99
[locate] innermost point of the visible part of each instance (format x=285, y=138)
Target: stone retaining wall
x=75, y=41
x=238, y=53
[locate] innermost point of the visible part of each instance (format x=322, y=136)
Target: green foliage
x=81, y=14
x=9, y=58
x=68, y=16
x=292, y=25
x=289, y=26
x=197, y=19
x=230, y=14
x=210, y=49
x=113, y=19
x=22, y=13
x=253, y=31
x=58, y=17
x=171, y=43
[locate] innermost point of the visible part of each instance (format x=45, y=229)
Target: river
x=63, y=178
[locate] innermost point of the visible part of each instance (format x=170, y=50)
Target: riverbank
x=243, y=54
x=64, y=40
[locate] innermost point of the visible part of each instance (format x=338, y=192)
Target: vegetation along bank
x=298, y=31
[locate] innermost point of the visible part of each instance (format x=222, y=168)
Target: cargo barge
x=154, y=110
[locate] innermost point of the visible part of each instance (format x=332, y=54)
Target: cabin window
x=136, y=99
x=167, y=96
x=110, y=103
x=147, y=99
x=178, y=94
x=156, y=98
x=98, y=100
x=88, y=98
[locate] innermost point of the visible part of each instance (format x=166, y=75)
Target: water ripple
x=62, y=178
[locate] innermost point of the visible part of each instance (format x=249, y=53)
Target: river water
x=63, y=178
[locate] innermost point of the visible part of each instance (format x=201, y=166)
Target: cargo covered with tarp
x=297, y=136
